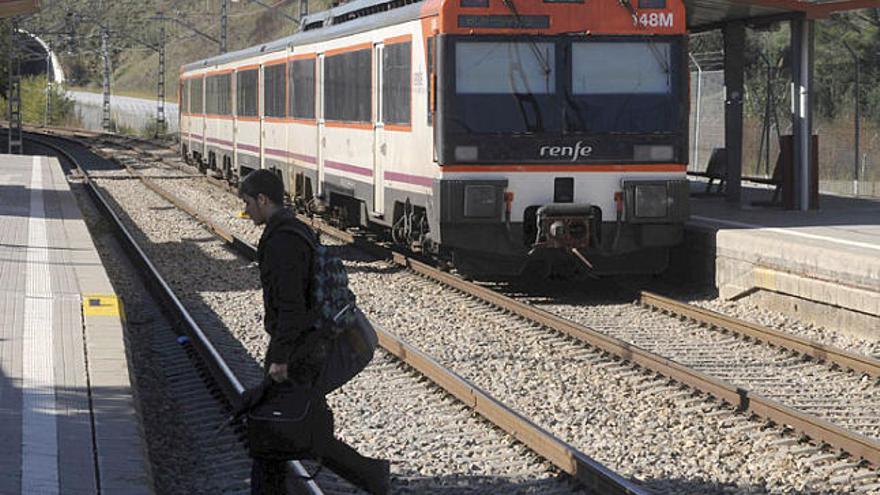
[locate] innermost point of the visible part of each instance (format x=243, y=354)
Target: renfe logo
x=572, y=153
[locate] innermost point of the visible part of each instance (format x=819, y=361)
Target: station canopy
x=703, y=15
x=10, y=8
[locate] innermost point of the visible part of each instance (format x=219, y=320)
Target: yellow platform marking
x=101, y=305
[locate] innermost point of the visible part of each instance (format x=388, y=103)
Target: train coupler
x=567, y=226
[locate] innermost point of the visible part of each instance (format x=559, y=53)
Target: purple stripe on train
x=220, y=141
x=295, y=156
x=273, y=151
x=345, y=167
x=409, y=179
x=303, y=158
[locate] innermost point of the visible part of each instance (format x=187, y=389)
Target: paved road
x=135, y=113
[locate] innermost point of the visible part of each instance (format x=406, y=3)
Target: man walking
x=285, y=260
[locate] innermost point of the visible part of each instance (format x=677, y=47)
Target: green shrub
x=33, y=103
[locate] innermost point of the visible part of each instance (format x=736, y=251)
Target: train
x=502, y=136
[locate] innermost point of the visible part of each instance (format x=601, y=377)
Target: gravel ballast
x=222, y=292
x=633, y=422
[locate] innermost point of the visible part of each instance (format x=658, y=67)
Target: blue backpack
x=351, y=339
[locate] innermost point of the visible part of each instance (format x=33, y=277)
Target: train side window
x=196, y=103
x=430, y=85
x=347, y=87
x=246, y=93
x=396, y=83
x=217, y=95
x=275, y=90
x=302, y=88
x=224, y=105
x=184, y=96
x=211, y=95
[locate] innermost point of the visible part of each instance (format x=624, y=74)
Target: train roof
x=356, y=17
x=350, y=18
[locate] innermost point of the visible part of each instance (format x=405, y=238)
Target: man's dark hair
x=263, y=182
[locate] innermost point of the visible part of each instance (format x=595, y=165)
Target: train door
x=261, y=90
x=247, y=120
x=273, y=134
x=380, y=147
x=203, y=120
x=322, y=140
x=182, y=110
x=233, y=111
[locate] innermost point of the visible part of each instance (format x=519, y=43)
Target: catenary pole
x=224, y=11
x=15, y=146
x=47, y=117
x=160, y=109
x=106, y=123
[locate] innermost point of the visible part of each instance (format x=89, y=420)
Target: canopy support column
x=802, y=46
x=734, y=64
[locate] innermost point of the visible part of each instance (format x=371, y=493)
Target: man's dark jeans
x=268, y=477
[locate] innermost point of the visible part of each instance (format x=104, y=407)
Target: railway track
x=819, y=430
x=499, y=453
x=201, y=383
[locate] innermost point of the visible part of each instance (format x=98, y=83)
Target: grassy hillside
x=75, y=25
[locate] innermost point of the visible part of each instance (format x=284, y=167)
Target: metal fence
x=841, y=170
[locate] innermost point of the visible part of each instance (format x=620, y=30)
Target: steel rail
x=217, y=367
x=807, y=347
x=580, y=466
x=567, y=458
x=743, y=399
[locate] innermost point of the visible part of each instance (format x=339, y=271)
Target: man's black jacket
x=285, y=273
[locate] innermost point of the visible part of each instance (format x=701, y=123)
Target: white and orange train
x=489, y=132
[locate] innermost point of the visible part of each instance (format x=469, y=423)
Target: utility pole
x=48, y=118
x=15, y=146
x=160, y=110
x=161, y=49
x=224, y=8
x=105, y=54
x=303, y=9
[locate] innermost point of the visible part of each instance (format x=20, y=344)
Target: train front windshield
x=564, y=86
x=506, y=87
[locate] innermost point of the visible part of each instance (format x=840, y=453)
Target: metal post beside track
x=224, y=9
x=14, y=93
x=160, y=110
x=106, y=123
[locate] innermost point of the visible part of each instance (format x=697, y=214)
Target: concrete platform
x=67, y=418
x=820, y=266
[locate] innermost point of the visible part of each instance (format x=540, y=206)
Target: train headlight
x=651, y=201
x=481, y=201
x=653, y=152
x=656, y=201
x=466, y=153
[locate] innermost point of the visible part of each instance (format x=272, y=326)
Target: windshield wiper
x=521, y=99
x=570, y=103
x=545, y=65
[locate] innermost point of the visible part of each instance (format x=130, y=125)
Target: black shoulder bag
x=284, y=420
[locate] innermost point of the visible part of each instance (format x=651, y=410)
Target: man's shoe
x=379, y=481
